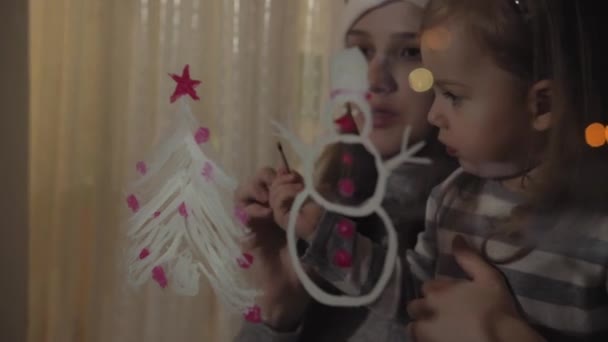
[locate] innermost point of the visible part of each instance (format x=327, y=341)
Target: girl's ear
x=539, y=104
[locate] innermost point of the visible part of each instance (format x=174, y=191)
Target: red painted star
x=185, y=85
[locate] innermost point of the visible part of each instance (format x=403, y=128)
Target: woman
x=387, y=34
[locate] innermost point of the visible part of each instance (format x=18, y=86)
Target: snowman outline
x=354, y=92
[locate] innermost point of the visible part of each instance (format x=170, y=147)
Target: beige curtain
x=99, y=99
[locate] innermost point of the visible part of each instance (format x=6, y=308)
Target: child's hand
x=479, y=310
x=283, y=191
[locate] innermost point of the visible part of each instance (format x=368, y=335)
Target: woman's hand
x=284, y=301
x=283, y=191
x=479, y=310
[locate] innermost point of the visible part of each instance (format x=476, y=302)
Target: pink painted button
x=346, y=187
x=347, y=159
x=346, y=228
x=343, y=259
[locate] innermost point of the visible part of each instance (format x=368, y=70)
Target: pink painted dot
x=183, y=210
x=343, y=259
x=144, y=253
x=346, y=228
x=156, y=214
x=368, y=96
x=158, y=274
x=346, y=187
x=141, y=167
x=253, y=314
x=207, y=172
x=202, y=135
x=133, y=203
x=347, y=159
x=241, y=215
x=245, y=261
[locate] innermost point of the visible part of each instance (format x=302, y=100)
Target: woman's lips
x=383, y=118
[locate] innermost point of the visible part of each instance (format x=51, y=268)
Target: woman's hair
x=556, y=40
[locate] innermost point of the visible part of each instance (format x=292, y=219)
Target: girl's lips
x=451, y=151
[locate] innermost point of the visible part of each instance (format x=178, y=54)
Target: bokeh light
x=421, y=80
x=437, y=38
x=596, y=135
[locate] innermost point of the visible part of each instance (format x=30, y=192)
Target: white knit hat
x=355, y=9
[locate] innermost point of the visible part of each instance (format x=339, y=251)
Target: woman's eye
x=367, y=51
x=409, y=53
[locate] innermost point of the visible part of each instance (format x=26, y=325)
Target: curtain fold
x=100, y=99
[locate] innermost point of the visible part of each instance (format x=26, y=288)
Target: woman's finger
x=287, y=194
x=282, y=198
x=266, y=176
x=253, y=191
x=256, y=190
x=257, y=212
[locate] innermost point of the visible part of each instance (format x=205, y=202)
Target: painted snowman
x=349, y=85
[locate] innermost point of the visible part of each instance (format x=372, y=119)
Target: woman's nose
x=381, y=80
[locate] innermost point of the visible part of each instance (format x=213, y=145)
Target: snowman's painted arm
x=407, y=154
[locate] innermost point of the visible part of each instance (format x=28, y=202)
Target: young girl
x=517, y=82
x=386, y=32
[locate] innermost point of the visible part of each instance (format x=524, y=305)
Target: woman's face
x=388, y=37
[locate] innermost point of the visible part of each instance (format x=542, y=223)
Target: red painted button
x=343, y=259
x=347, y=159
x=346, y=228
x=346, y=187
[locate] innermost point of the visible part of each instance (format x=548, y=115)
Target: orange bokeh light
x=437, y=38
x=596, y=135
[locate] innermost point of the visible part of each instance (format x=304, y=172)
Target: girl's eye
x=409, y=53
x=456, y=100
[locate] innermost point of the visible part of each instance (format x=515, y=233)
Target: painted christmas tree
x=182, y=223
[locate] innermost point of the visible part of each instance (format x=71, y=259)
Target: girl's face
x=388, y=37
x=479, y=108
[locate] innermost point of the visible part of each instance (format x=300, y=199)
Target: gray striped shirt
x=561, y=284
